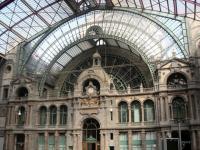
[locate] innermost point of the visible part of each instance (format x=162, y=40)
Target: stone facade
x=93, y=102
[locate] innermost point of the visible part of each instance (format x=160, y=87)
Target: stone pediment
x=22, y=80
x=174, y=63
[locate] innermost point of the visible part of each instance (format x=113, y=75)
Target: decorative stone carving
x=89, y=102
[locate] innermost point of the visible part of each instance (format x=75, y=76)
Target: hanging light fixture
x=19, y=112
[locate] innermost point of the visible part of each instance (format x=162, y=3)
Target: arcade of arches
x=106, y=110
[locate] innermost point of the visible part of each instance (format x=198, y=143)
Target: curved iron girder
x=135, y=27
x=103, y=8
x=138, y=53
x=174, y=37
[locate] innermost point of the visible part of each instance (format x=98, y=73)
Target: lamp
x=19, y=112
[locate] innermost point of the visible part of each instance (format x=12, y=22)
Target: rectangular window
x=150, y=141
x=62, y=141
x=5, y=93
x=51, y=142
x=41, y=142
x=136, y=141
x=123, y=141
x=111, y=136
x=111, y=115
x=20, y=138
x=111, y=147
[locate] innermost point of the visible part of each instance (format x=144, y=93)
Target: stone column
x=8, y=116
x=190, y=108
x=46, y=140
x=48, y=116
x=167, y=109
x=116, y=140
x=129, y=140
x=158, y=109
x=58, y=117
x=196, y=107
x=198, y=140
x=164, y=140
x=158, y=143
x=14, y=116
x=56, y=140
x=161, y=107
x=143, y=140
x=142, y=110
x=30, y=115
x=26, y=116
x=129, y=113
x=7, y=141
x=26, y=141
x=33, y=141
x=74, y=141
x=172, y=115
x=193, y=140
x=102, y=142
x=66, y=140
x=11, y=142
x=79, y=141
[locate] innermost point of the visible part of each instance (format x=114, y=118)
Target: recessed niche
x=22, y=92
x=8, y=68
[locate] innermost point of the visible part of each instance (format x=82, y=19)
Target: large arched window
x=43, y=115
x=63, y=115
x=21, y=115
x=149, y=114
x=53, y=115
x=176, y=80
x=135, y=111
x=123, y=112
x=178, y=106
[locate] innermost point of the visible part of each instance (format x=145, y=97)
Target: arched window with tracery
x=43, y=115
x=179, y=109
x=53, y=115
x=63, y=115
x=136, y=111
x=149, y=112
x=176, y=80
x=21, y=115
x=91, y=134
x=123, y=112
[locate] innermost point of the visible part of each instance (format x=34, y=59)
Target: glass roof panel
x=26, y=18
x=148, y=36
x=63, y=58
x=74, y=51
x=85, y=45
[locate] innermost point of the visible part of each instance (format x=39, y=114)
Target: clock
x=90, y=90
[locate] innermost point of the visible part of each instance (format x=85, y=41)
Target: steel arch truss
x=67, y=32
x=150, y=36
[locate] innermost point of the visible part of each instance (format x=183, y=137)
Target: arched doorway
x=91, y=134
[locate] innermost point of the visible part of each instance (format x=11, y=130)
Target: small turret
x=96, y=59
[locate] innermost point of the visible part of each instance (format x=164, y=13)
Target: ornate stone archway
x=91, y=134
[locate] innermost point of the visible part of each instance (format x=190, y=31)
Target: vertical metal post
x=179, y=133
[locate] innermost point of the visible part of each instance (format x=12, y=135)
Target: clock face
x=90, y=90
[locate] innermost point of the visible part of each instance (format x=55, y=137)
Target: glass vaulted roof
x=151, y=36
x=24, y=19
x=53, y=32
